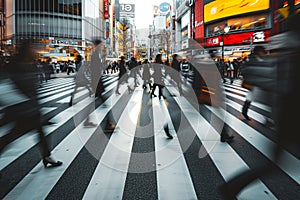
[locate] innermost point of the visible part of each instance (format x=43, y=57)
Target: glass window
x=251, y=22
x=18, y=5
x=51, y=5
x=239, y=24
x=55, y=6
x=184, y=33
x=37, y=6
x=61, y=6
x=185, y=20
x=31, y=5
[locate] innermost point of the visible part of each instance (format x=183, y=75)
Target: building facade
x=54, y=24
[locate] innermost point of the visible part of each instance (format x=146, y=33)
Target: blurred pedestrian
x=71, y=67
x=48, y=69
x=132, y=65
x=255, y=58
x=230, y=71
x=222, y=68
x=81, y=80
x=285, y=98
x=158, y=77
x=146, y=74
x=123, y=76
x=24, y=75
x=175, y=72
x=97, y=68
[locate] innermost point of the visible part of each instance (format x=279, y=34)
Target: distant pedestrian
x=175, y=72
x=123, y=76
x=146, y=74
x=158, y=77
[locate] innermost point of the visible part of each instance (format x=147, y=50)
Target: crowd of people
x=275, y=75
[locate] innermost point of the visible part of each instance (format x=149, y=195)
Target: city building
x=59, y=28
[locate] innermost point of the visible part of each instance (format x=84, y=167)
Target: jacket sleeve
x=260, y=73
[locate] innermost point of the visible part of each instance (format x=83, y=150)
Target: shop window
x=250, y=22
x=184, y=33
x=239, y=24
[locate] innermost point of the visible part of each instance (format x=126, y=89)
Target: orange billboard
x=217, y=9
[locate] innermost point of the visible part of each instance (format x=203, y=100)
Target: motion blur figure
x=257, y=56
x=97, y=69
x=158, y=77
x=24, y=75
x=286, y=98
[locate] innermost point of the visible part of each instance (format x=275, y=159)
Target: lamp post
x=225, y=31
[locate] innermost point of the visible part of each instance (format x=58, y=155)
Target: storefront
x=237, y=45
x=248, y=23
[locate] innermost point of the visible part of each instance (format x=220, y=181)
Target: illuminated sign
x=164, y=7
x=106, y=9
x=199, y=24
x=239, y=38
x=127, y=10
x=217, y=9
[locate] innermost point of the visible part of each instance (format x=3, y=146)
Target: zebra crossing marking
x=109, y=178
x=256, y=104
x=16, y=148
x=56, y=86
x=227, y=161
x=173, y=177
x=31, y=186
x=289, y=163
x=252, y=114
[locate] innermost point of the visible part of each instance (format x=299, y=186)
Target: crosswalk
x=136, y=160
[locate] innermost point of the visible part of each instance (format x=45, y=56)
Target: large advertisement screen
x=217, y=9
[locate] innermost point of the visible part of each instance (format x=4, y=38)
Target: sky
x=144, y=11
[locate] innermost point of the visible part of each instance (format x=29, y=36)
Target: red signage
x=106, y=9
x=239, y=38
x=199, y=25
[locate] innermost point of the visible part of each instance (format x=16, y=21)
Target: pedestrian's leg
x=72, y=95
x=153, y=90
x=245, y=109
x=89, y=89
x=43, y=142
x=247, y=104
x=160, y=94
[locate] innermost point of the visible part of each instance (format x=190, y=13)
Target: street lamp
x=225, y=31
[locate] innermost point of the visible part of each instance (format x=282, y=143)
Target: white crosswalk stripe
x=174, y=179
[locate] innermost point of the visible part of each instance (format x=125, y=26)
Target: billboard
x=199, y=25
x=127, y=10
x=217, y=9
x=106, y=9
x=239, y=38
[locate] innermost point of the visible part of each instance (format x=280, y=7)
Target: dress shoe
x=166, y=129
x=225, y=138
x=246, y=116
x=129, y=89
x=162, y=97
x=152, y=95
x=110, y=127
x=48, y=160
x=90, y=124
